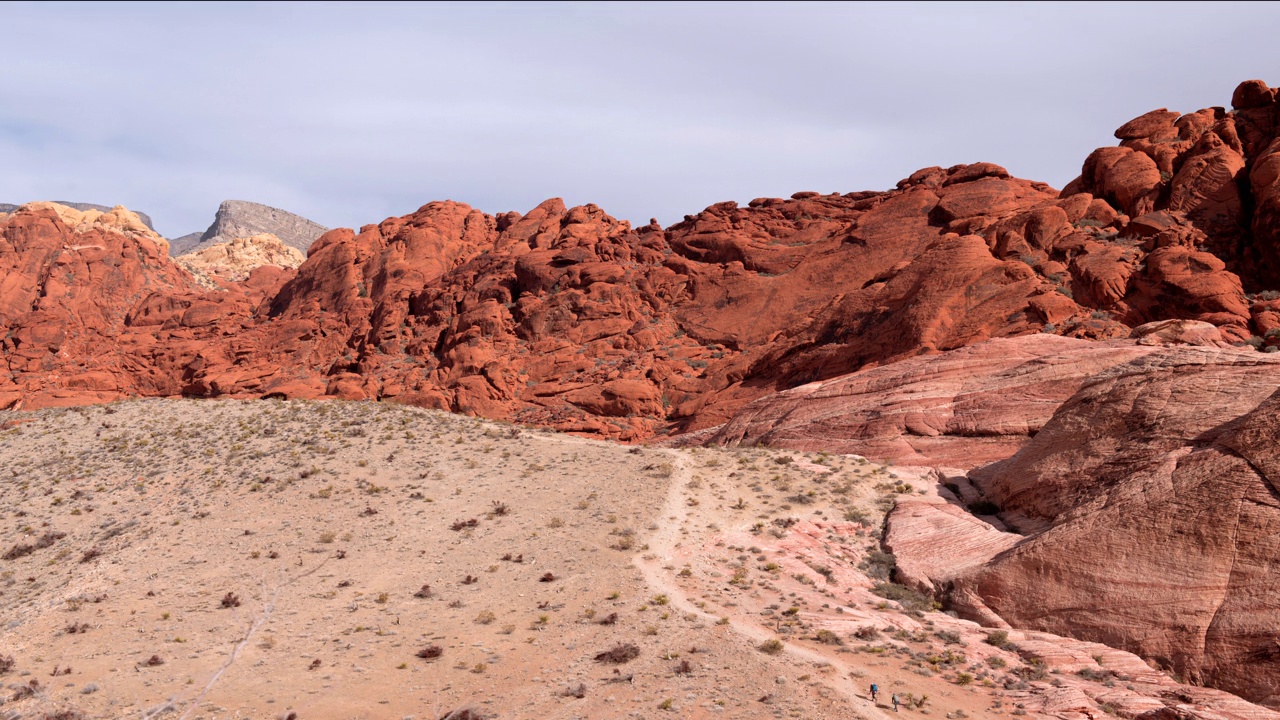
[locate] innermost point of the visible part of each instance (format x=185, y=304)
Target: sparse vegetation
x=998, y=638
x=619, y=654
x=910, y=600
x=770, y=647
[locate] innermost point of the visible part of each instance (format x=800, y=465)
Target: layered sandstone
x=1148, y=511
x=8, y=209
x=235, y=259
x=961, y=409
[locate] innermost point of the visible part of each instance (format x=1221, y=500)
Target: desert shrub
x=909, y=599
x=770, y=647
x=463, y=714
x=1095, y=675
x=230, y=600
x=998, y=638
x=430, y=652
x=1034, y=671
x=826, y=637
x=866, y=632
x=64, y=714
x=22, y=550
x=6, y=663
x=619, y=654
x=878, y=565
x=949, y=637
x=858, y=516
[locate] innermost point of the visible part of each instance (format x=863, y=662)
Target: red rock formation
x=961, y=409
x=570, y=318
x=1151, y=499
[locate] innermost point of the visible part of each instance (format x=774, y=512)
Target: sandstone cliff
x=570, y=318
x=7, y=208
x=234, y=260
x=1148, y=508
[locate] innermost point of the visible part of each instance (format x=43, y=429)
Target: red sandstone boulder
x=1158, y=479
x=960, y=409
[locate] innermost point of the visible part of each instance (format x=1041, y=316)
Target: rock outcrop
x=570, y=318
x=959, y=409
x=7, y=209
x=234, y=260
x=241, y=219
x=1147, y=466
x=1148, y=510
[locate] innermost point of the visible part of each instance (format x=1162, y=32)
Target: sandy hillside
x=273, y=559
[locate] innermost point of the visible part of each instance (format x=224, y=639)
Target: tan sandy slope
x=267, y=559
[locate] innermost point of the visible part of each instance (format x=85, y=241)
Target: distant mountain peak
x=242, y=218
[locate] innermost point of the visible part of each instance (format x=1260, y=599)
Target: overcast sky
x=348, y=114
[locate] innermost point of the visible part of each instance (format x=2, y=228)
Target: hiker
x=874, y=689
x=895, y=702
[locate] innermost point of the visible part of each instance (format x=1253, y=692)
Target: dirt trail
x=676, y=514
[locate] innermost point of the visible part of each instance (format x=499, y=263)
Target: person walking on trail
x=895, y=702
x=874, y=689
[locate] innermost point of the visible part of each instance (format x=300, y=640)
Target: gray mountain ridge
x=241, y=218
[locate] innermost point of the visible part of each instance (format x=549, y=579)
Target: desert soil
x=276, y=559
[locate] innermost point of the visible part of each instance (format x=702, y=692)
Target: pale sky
x=348, y=114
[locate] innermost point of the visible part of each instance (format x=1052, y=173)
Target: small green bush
x=909, y=599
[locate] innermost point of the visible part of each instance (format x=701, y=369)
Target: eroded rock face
x=9, y=208
x=960, y=409
x=242, y=219
x=68, y=280
x=569, y=318
x=1152, y=504
x=234, y=260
